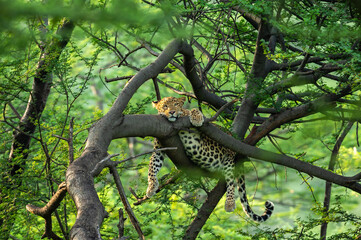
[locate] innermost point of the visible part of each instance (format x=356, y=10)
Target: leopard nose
x=172, y=112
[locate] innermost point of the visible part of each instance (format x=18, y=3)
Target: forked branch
x=46, y=211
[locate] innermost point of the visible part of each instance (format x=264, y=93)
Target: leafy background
x=80, y=90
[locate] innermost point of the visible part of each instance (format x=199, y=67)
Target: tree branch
x=259, y=71
x=79, y=179
x=39, y=94
x=319, y=105
x=46, y=211
x=125, y=202
x=254, y=152
x=328, y=187
x=205, y=211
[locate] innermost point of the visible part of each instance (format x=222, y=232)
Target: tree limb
x=79, y=179
x=125, y=202
x=328, y=187
x=205, y=211
x=46, y=211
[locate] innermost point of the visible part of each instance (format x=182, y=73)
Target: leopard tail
x=247, y=209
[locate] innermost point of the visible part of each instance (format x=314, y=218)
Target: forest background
x=74, y=87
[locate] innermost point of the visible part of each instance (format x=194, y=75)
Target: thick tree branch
x=46, y=211
x=150, y=123
x=205, y=211
x=197, y=85
x=251, y=151
x=259, y=71
x=49, y=57
x=322, y=104
x=79, y=179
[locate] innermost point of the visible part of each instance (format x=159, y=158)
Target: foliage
x=113, y=40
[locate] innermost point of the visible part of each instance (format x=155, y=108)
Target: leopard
x=204, y=152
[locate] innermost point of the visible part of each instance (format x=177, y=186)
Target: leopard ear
x=155, y=103
x=182, y=99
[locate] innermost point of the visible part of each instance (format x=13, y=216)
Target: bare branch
x=221, y=110
x=126, y=204
x=106, y=162
x=120, y=225
x=328, y=187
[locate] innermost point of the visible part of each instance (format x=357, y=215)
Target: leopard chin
x=172, y=119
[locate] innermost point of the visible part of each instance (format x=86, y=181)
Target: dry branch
x=126, y=204
x=106, y=162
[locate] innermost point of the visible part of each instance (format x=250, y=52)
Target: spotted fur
x=206, y=153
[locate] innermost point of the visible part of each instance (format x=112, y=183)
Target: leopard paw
x=230, y=205
x=196, y=117
x=152, y=188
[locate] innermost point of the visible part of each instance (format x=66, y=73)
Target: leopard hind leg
x=228, y=170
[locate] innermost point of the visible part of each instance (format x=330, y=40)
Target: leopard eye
x=165, y=107
x=176, y=104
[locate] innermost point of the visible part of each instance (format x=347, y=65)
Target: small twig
x=280, y=137
x=121, y=224
x=134, y=193
x=126, y=204
x=60, y=137
x=118, y=78
x=221, y=110
x=275, y=144
x=14, y=110
x=70, y=140
x=309, y=186
x=145, y=153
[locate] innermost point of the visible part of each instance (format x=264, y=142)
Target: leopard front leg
x=196, y=117
x=155, y=164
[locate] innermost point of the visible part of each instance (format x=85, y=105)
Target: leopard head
x=170, y=107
